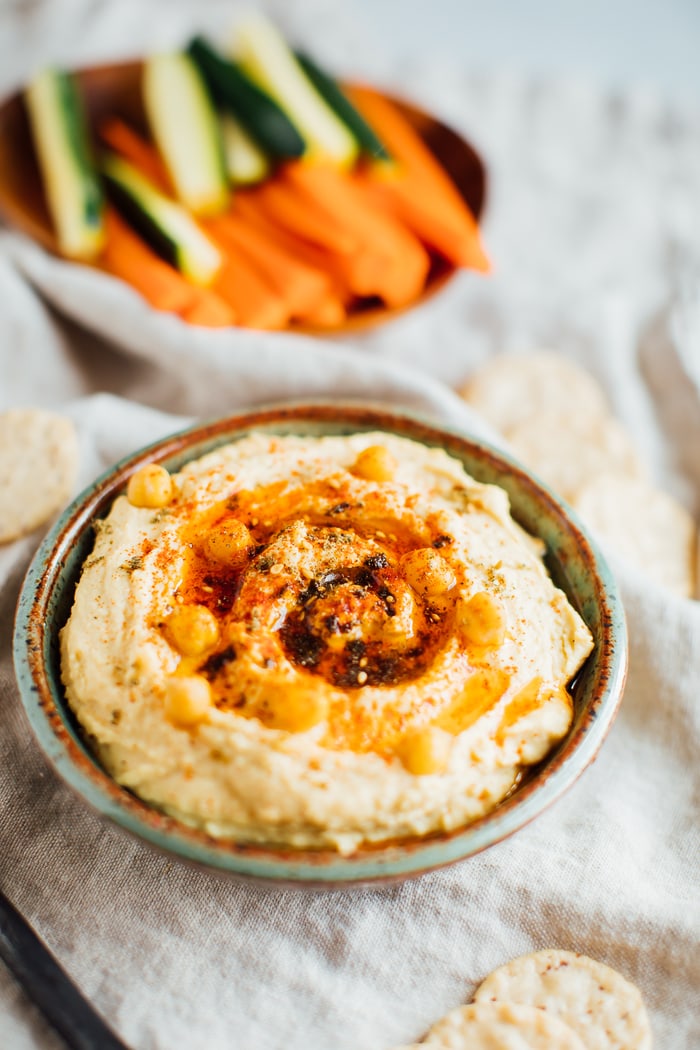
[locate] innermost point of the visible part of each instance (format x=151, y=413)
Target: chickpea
x=187, y=699
x=228, y=542
x=375, y=463
x=151, y=486
x=192, y=629
x=298, y=710
x=427, y=572
x=425, y=751
x=478, y=695
x=482, y=621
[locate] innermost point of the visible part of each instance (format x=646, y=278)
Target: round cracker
x=603, y=1008
x=644, y=525
x=38, y=467
x=501, y=1026
x=568, y=452
x=512, y=388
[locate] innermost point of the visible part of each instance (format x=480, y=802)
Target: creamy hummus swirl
x=379, y=647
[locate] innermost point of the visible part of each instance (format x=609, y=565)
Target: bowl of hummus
x=320, y=643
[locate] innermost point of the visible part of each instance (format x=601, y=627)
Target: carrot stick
x=209, y=310
x=433, y=223
x=128, y=257
x=419, y=189
x=301, y=287
x=357, y=274
x=243, y=288
x=295, y=212
x=247, y=204
x=403, y=142
x=393, y=261
x=329, y=313
x=132, y=147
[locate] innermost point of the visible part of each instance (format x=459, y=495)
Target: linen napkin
x=595, y=233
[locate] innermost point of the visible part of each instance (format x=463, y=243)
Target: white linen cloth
x=594, y=228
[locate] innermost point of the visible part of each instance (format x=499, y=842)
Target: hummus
x=320, y=642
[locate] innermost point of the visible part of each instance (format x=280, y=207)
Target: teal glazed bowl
x=572, y=558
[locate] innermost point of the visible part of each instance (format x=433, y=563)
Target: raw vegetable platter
x=243, y=185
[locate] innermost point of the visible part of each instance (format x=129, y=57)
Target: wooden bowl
x=115, y=90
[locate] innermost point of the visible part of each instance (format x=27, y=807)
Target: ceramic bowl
x=572, y=559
